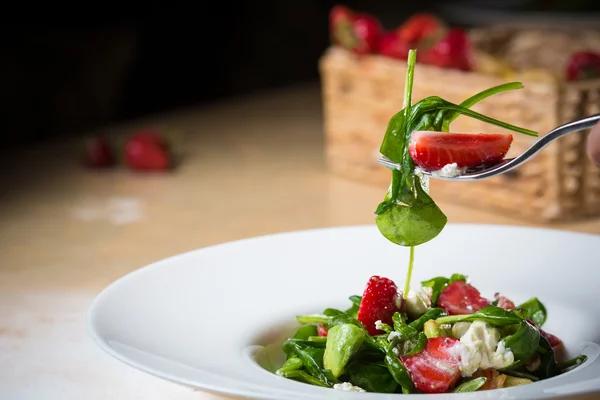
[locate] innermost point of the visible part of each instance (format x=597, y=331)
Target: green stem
x=476, y=98
x=411, y=61
x=452, y=319
x=312, y=319
x=571, y=363
x=410, y=270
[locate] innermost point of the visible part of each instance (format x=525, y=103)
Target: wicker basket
x=361, y=94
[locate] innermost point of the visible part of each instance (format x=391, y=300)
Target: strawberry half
x=505, y=302
x=379, y=303
x=433, y=150
x=436, y=369
x=461, y=298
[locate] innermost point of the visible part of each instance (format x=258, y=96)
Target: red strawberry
x=505, y=302
x=461, y=298
x=147, y=151
x=582, y=66
x=379, y=303
x=322, y=330
x=452, y=51
x=358, y=32
x=422, y=29
x=433, y=150
x=98, y=153
x=436, y=369
x=391, y=45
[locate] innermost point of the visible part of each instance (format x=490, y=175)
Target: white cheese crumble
x=393, y=335
x=417, y=303
x=449, y=171
x=459, y=329
x=379, y=325
x=348, y=387
x=480, y=348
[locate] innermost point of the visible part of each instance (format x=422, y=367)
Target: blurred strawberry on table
x=147, y=151
x=583, y=65
x=98, y=153
x=357, y=32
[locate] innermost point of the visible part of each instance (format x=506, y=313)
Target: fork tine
x=388, y=163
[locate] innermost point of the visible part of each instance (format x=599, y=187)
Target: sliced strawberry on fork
x=436, y=369
x=433, y=150
x=379, y=303
x=461, y=298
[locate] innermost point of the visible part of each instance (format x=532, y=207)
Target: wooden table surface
x=248, y=167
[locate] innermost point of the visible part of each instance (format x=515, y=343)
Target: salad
x=445, y=337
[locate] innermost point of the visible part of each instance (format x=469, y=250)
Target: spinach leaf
x=472, y=385
x=306, y=331
x=434, y=313
x=568, y=364
x=548, y=366
x=332, y=312
x=524, y=342
x=418, y=346
x=402, y=329
x=344, y=319
x=371, y=377
x=534, y=311
x=456, y=277
x=353, y=311
x=412, y=224
x=312, y=359
x=399, y=373
x=492, y=315
x=293, y=363
x=302, y=376
x=312, y=319
x=343, y=341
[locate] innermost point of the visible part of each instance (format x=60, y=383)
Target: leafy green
x=408, y=216
x=472, y=385
x=353, y=311
x=524, y=342
x=293, y=363
x=332, y=312
x=312, y=319
x=371, y=377
x=548, y=365
x=534, y=310
x=312, y=359
x=568, y=364
x=399, y=372
x=418, y=345
x=492, y=315
x=304, y=332
x=303, y=376
x=343, y=319
x=433, y=313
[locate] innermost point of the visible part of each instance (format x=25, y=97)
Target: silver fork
x=508, y=164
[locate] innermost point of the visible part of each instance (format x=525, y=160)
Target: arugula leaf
x=524, y=342
x=472, y=385
x=371, y=377
x=534, y=310
x=492, y=315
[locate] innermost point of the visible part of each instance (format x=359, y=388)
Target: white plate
x=202, y=318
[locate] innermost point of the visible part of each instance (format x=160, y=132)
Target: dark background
x=103, y=64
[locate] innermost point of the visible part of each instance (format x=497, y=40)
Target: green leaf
x=302, y=376
x=353, y=311
x=293, y=363
x=568, y=364
x=524, y=342
x=371, y=377
x=404, y=330
x=344, y=319
x=305, y=332
x=433, y=313
x=412, y=225
x=456, y=278
x=535, y=311
x=312, y=359
x=472, y=385
x=332, y=312
x=548, y=366
x=343, y=341
x=312, y=319
x=437, y=285
x=399, y=372
x=492, y=315
x=418, y=346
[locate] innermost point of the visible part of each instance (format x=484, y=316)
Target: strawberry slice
x=436, y=369
x=505, y=302
x=379, y=303
x=461, y=298
x=322, y=330
x=433, y=150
